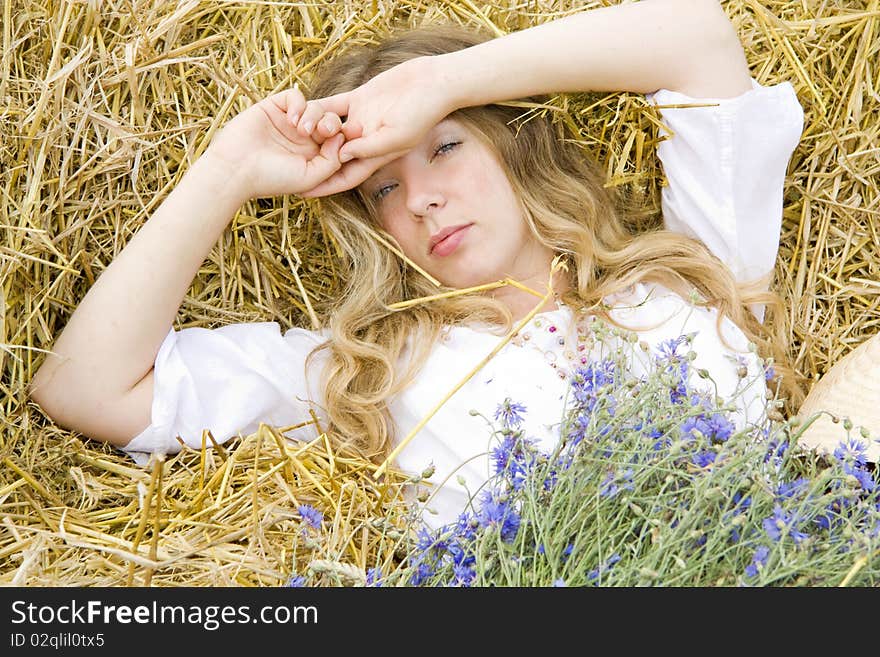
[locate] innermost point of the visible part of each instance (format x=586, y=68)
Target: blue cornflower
x=852, y=454
x=423, y=572
x=863, y=476
x=692, y=425
x=426, y=542
x=782, y=521
x=775, y=449
x=669, y=348
x=578, y=429
x=704, y=458
x=514, y=458
x=769, y=373
x=466, y=526
x=662, y=442
x=464, y=573
x=715, y=427
x=758, y=561
x=675, y=363
x=559, y=583
x=851, y=450
x=311, y=515
x=498, y=514
x=587, y=381
x=741, y=502
x=790, y=489
x=550, y=479
x=510, y=414
x=374, y=577
x=297, y=581
x=603, y=567
x=614, y=482
x=720, y=427
x=503, y=453
x=829, y=518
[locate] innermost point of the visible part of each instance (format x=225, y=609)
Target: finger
x=291, y=102
x=376, y=144
x=326, y=162
x=310, y=117
x=352, y=129
x=351, y=175
x=338, y=103
x=329, y=125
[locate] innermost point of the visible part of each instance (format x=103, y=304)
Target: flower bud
x=847, y=423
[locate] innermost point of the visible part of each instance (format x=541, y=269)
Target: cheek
x=492, y=185
x=399, y=228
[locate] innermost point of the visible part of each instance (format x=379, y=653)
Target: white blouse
x=725, y=165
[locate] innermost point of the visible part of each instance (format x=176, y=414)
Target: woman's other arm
x=89, y=383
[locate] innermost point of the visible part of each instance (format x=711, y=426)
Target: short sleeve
x=229, y=380
x=725, y=164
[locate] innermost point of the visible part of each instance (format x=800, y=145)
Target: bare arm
x=682, y=45
x=111, y=340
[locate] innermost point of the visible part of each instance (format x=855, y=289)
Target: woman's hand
x=384, y=118
x=269, y=156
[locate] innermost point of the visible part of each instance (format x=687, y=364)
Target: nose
x=424, y=195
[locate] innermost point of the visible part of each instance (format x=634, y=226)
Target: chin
x=461, y=282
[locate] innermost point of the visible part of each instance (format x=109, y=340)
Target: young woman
x=426, y=178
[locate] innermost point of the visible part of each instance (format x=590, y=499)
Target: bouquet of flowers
x=652, y=484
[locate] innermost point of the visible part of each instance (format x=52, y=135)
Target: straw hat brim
x=850, y=389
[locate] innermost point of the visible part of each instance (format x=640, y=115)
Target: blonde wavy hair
x=567, y=208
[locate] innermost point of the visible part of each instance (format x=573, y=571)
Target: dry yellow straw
x=454, y=293
x=556, y=265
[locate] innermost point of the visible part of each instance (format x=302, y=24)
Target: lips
x=445, y=241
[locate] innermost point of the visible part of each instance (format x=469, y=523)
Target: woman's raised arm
x=688, y=46
x=111, y=340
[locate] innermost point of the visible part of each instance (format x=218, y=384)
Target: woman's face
x=450, y=206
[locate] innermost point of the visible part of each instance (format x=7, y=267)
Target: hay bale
x=104, y=105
